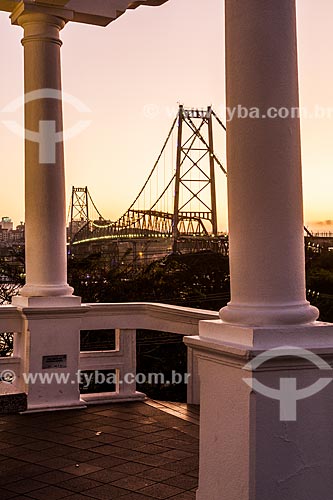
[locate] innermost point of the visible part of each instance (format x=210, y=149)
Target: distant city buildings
x=10, y=236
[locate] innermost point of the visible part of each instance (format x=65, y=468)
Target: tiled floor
x=132, y=451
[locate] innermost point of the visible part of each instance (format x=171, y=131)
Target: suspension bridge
x=176, y=209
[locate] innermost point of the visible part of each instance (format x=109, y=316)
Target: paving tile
x=14, y=439
x=10, y=464
x=171, y=433
x=133, y=483
x=82, y=455
x=16, y=452
x=177, y=454
x=35, y=456
x=6, y=494
x=38, y=445
x=181, y=467
x=92, y=425
x=107, y=449
x=45, y=454
x=124, y=453
x=81, y=469
x=98, y=438
x=133, y=418
x=49, y=493
x=58, y=463
x=150, y=438
x=126, y=433
x=21, y=497
x=182, y=481
x=9, y=477
x=54, y=477
x=118, y=413
x=161, y=491
x=106, y=475
x=131, y=468
x=149, y=428
x=151, y=449
x=178, y=444
x=105, y=492
x=112, y=425
x=5, y=445
x=193, y=473
x=187, y=495
x=135, y=496
x=81, y=416
x=31, y=470
x=131, y=444
x=62, y=438
x=78, y=484
x=191, y=430
x=25, y=485
x=85, y=444
x=158, y=475
x=170, y=420
x=154, y=460
x=76, y=496
x=66, y=429
x=107, y=461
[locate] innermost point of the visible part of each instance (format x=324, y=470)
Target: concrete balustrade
x=30, y=349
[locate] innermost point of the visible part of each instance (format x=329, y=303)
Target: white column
x=46, y=259
x=247, y=451
x=264, y=167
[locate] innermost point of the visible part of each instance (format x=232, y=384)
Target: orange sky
x=150, y=59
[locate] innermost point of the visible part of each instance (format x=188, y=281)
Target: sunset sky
x=132, y=74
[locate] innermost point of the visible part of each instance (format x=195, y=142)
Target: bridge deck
x=132, y=451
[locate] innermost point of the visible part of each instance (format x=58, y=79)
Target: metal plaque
x=55, y=361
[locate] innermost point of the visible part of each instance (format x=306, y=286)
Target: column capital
x=39, y=26
x=26, y=13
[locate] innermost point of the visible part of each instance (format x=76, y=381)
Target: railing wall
x=125, y=319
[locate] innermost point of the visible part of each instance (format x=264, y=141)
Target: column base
x=284, y=314
x=265, y=337
x=248, y=451
x=46, y=290
x=65, y=301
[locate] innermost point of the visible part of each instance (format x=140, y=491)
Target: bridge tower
x=195, y=174
x=79, y=210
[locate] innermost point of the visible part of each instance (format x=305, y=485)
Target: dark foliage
x=198, y=280
x=319, y=281
x=11, y=280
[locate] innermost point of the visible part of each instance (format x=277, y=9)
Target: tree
x=319, y=281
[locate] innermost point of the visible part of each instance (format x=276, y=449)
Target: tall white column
x=51, y=314
x=247, y=450
x=264, y=167
x=46, y=259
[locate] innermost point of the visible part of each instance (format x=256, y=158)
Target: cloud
x=328, y=222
